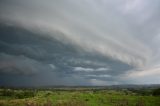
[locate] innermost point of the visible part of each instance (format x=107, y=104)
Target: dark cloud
x=28, y=54
x=22, y=65
x=78, y=42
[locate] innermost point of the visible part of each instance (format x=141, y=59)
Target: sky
x=79, y=42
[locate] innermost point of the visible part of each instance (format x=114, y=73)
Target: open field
x=77, y=97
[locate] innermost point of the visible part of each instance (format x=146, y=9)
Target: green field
x=77, y=97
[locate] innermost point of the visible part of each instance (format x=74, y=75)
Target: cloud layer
x=89, y=41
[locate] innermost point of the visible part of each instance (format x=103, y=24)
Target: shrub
x=156, y=92
x=24, y=94
x=7, y=92
x=140, y=102
x=20, y=94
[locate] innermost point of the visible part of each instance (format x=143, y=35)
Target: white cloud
x=147, y=75
x=52, y=66
x=146, y=72
x=102, y=69
x=88, y=62
x=99, y=76
x=83, y=69
x=101, y=82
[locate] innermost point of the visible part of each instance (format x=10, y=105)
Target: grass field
x=80, y=97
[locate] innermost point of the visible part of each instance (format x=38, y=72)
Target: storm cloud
x=79, y=42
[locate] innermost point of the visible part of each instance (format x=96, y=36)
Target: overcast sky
x=84, y=42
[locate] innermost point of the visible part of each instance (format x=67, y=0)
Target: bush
x=156, y=92
x=19, y=94
x=140, y=102
x=7, y=92
x=24, y=94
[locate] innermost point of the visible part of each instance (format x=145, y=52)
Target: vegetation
x=79, y=97
x=156, y=92
x=17, y=94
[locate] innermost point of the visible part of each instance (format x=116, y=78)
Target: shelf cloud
x=80, y=39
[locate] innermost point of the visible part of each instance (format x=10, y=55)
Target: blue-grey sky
x=85, y=42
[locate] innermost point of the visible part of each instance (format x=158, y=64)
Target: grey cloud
x=105, y=33
x=51, y=58
x=71, y=39
x=10, y=64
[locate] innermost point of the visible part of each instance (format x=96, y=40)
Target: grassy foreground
x=89, y=97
